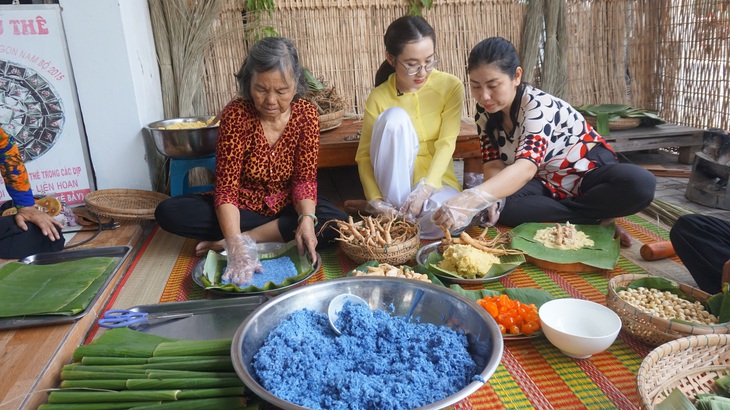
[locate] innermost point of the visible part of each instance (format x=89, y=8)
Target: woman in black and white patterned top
x=540, y=155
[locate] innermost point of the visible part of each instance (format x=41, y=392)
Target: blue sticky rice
x=379, y=361
x=274, y=270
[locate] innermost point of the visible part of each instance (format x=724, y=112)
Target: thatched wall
x=667, y=55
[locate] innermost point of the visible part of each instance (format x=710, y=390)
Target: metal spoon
x=336, y=304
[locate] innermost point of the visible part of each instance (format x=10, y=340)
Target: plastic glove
x=491, y=215
x=413, y=206
x=459, y=210
x=380, y=207
x=243, y=260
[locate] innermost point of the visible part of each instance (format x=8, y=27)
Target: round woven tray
x=124, y=205
x=616, y=125
x=395, y=254
x=690, y=364
x=652, y=329
x=331, y=121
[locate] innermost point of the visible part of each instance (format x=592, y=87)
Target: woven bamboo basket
x=399, y=254
x=124, y=205
x=615, y=125
x=331, y=120
x=652, y=329
x=690, y=364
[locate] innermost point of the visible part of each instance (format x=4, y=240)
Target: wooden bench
x=338, y=146
x=687, y=139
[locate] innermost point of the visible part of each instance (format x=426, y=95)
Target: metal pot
x=184, y=142
x=439, y=305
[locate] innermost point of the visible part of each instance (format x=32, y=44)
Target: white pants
x=393, y=150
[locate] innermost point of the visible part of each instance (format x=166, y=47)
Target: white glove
x=491, y=215
x=413, y=205
x=458, y=211
x=380, y=207
x=243, y=260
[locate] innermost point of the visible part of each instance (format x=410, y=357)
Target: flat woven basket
x=652, y=329
x=690, y=364
x=331, y=121
x=124, y=205
x=615, y=125
x=395, y=255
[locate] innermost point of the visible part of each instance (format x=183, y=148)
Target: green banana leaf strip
x=64, y=288
x=603, y=254
x=420, y=269
x=215, y=265
x=675, y=401
x=121, y=342
x=506, y=264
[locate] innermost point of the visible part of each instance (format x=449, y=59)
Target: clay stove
x=708, y=182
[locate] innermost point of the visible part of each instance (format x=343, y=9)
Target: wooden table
x=687, y=139
x=31, y=358
x=337, y=147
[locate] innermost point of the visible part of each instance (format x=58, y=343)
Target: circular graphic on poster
x=30, y=110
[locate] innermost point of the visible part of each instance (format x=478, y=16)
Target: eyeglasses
x=415, y=69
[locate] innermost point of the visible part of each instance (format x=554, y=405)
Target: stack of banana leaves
x=606, y=113
x=124, y=369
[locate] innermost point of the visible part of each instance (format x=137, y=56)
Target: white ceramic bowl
x=579, y=328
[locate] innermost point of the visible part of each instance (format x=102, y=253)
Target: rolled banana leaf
x=603, y=254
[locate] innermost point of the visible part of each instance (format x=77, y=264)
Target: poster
x=38, y=104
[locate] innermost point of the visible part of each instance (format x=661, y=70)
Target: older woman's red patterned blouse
x=253, y=175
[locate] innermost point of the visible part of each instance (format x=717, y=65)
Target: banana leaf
x=314, y=84
x=364, y=268
x=675, y=401
x=605, y=113
x=215, y=265
x=64, y=288
x=507, y=263
x=524, y=295
x=603, y=254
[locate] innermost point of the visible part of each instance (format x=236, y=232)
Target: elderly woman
x=412, y=119
x=266, y=165
x=540, y=154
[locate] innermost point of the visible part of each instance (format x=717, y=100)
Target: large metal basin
x=183, y=142
x=439, y=305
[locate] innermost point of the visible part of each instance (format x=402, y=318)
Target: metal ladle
x=337, y=302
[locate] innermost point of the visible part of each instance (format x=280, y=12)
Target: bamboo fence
x=666, y=55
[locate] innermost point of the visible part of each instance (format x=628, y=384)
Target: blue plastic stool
x=179, y=174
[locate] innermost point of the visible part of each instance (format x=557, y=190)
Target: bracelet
x=313, y=216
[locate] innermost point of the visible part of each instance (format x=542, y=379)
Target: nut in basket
x=392, y=241
x=651, y=328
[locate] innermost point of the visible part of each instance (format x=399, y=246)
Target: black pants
x=703, y=244
x=609, y=191
x=16, y=243
x=193, y=216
